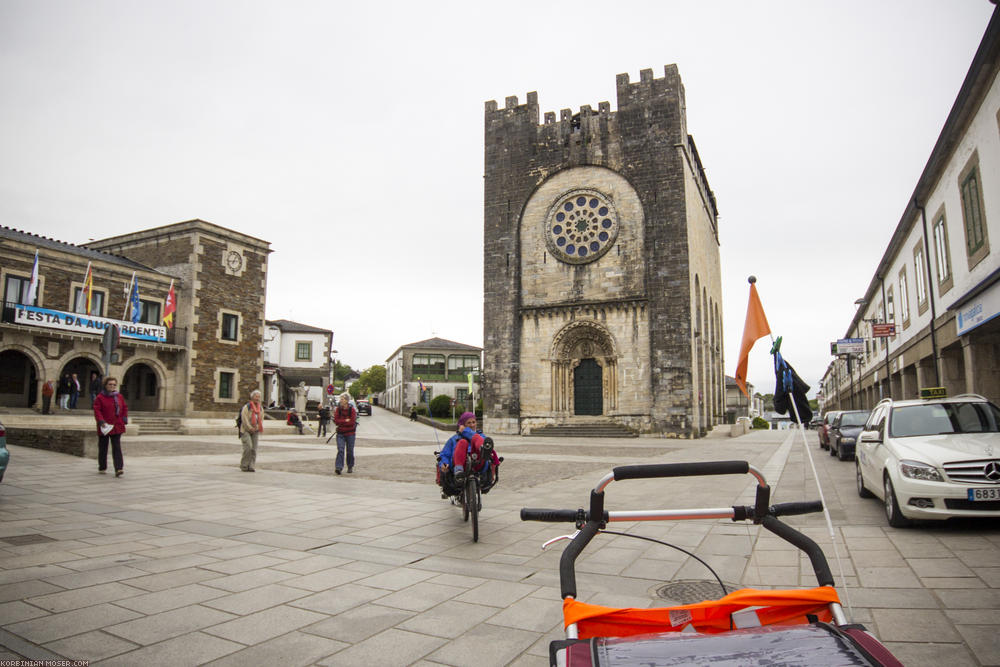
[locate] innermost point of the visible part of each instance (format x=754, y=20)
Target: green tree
x=373, y=379
x=768, y=401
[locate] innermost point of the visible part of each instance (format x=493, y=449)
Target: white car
x=931, y=459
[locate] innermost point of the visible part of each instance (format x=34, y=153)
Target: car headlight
x=921, y=471
x=847, y=441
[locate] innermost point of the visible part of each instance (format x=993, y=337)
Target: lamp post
x=333, y=370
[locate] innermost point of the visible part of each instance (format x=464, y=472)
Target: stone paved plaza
x=186, y=560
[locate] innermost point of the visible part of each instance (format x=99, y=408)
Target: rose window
x=581, y=226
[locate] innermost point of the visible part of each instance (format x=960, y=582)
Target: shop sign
x=32, y=316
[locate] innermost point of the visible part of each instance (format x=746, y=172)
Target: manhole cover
x=690, y=591
x=19, y=540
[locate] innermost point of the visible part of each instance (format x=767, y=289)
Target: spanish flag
x=756, y=327
x=170, y=307
x=88, y=288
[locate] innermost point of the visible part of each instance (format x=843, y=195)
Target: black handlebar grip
x=804, y=507
x=681, y=469
x=567, y=562
x=554, y=516
x=806, y=544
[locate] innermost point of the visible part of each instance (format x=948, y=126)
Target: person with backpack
x=346, y=419
x=251, y=423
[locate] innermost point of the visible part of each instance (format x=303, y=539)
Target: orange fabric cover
x=780, y=607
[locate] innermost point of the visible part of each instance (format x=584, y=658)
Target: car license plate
x=984, y=494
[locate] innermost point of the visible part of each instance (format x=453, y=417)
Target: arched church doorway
x=140, y=387
x=584, y=370
x=588, y=388
x=83, y=367
x=18, y=380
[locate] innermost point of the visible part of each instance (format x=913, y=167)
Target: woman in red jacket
x=111, y=414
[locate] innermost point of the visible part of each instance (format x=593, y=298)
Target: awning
x=313, y=377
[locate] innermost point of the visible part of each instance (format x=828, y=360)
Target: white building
x=295, y=353
x=443, y=366
x=937, y=282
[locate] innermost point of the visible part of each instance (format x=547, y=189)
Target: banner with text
x=79, y=323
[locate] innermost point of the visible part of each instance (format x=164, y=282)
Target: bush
x=440, y=406
x=760, y=422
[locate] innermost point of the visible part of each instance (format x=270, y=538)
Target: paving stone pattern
x=186, y=560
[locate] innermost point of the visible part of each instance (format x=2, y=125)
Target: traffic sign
x=883, y=330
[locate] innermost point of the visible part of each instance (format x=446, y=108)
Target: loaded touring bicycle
x=744, y=627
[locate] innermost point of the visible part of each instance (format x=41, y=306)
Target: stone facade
x=219, y=276
x=601, y=260
x=226, y=274
x=402, y=384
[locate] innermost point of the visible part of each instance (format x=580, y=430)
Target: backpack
x=239, y=420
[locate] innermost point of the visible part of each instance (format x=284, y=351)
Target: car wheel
x=862, y=491
x=892, y=512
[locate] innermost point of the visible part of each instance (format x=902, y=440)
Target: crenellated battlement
x=644, y=91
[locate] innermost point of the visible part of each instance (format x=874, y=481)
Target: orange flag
x=756, y=327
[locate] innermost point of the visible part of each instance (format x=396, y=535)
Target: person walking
x=346, y=419
x=63, y=390
x=111, y=414
x=251, y=426
x=95, y=386
x=74, y=391
x=48, y=390
x=324, y=419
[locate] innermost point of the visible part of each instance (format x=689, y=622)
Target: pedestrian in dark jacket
x=111, y=414
x=324, y=419
x=346, y=419
x=95, y=386
x=64, y=390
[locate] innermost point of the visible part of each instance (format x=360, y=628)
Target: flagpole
x=819, y=488
x=128, y=297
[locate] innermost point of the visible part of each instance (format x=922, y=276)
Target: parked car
x=824, y=429
x=364, y=408
x=844, y=433
x=4, y=454
x=931, y=459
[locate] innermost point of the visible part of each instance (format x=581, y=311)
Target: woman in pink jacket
x=111, y=414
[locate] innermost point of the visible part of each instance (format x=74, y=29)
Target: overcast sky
x=350, y=136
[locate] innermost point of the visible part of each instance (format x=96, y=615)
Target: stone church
x=603, y=302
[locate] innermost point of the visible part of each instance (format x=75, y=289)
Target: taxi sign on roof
x=933, y=392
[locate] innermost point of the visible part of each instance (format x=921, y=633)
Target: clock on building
x=581, y=226
x=234, y=261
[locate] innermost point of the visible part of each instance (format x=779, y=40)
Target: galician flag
x=32, y=289
x=170, y=307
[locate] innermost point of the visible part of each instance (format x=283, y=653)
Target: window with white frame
x=920, y=269
x=942, y=255
x=904, y=304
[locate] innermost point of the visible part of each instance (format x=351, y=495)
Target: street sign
x=851, y=346
x=330, y=389
x=883, y=330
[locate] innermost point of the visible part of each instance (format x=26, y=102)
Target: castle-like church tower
x=602, y=286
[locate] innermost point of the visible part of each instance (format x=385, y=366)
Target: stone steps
x=157, y=425
x=600, y=430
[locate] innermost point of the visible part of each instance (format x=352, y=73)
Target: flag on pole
x=789, y=390
x=134, y=305
x=83, y=303
x=128, y=297
x=32, y=289
x=170, y=307
x=756, y=327
x=470, y=384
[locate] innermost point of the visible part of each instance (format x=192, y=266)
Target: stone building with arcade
x=203, y=366
x=601, y=267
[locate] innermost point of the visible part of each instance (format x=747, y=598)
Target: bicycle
x=469, y=487
x=745, y=627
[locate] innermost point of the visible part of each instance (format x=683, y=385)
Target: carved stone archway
x=579, y=340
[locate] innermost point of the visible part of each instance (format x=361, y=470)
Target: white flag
x=29, y=297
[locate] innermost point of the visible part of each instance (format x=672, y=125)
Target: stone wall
x=78, y=442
